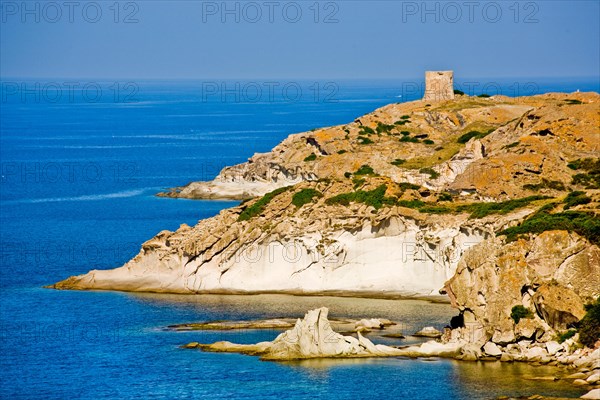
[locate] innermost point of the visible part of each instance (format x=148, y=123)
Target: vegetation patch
x=342, y=151
x=589, y=326
x=258, y=207
x=384, y=128
x=428, y=141
x=519, y=312
x=444, y=197
x=459, y=92
x=364, y=140
x=430, y=209
x=405, y=119
x=398, y=162
x=430, y=171
x=374, y=198
x=305, y=196
x=415, y=204
x=358, y=182
x=561, y=337
x=365, y=130
x=365, y=170
x=409, y=139
x=480, y=210
x=583, y=223
x=473, y=134
x=311, y=157
x=484, y=95
x=545, y=184
x=511, y=145
x=576, y=198
x=589, y=179
x=408, y=186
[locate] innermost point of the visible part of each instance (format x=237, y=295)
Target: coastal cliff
x=390, y=204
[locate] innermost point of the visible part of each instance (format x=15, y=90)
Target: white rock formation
x=396, y=257
x=312, y=337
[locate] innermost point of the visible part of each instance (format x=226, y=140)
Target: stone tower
x=439, y=85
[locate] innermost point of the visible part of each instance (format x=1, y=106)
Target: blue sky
x=294, y=39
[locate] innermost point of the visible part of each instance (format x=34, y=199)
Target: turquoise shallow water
x=77, y=193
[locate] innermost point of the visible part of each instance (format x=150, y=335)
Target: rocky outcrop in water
x=312, y=337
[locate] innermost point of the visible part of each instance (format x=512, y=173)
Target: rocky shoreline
x=314, y=337
x=493, y=202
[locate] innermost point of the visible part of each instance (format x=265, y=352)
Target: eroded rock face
x=317, y=248
x=559, y=306
x=495, y=276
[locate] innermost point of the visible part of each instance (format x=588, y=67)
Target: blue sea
x=80, y=166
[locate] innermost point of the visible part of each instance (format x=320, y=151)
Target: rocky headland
x=493, y=202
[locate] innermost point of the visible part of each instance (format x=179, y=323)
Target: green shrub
x=480, y=210
x=258, y=207
x=561, y=337
x=432, y=173
x=484, y=95
x=427, y=209
x=545, y=184
x=405, y=133
x=398, y=162
x=347, y=174
x=384, y=128
x=459, y=92
x=472, y=134
x=428, y=141
x=358, y=182
x=518, y=312
x=311, y=157
x=591, y=177
x=444, y=197
x=374, y=198
x=511, y=145
x=409, y=139
x=576, y=198
x=589, y=326
x=342, y=151
x=406, y=186
x=364, y=140
x=405, y=117
x=365, y=130
x=422, y=136
x=411, y=203
x=365, y=170
x=305, y=196
x=585, y=224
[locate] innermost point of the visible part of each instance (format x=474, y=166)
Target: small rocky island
x=491, y=202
